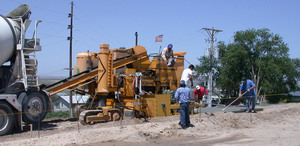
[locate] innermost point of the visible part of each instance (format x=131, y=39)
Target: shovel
x=234, y=101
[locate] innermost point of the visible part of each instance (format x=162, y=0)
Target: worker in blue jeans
x=249, y=86
x=183, y=95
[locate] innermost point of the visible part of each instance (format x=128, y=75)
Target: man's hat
x=182, y=83
x=170, y=46
x=243, y=79
x=198, y=87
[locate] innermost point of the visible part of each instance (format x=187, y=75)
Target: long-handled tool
x=234, y=101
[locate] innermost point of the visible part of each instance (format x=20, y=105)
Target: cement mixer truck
x=21, y=100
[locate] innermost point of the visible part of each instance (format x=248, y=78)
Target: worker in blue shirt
x=249, y=86
x=183, y=95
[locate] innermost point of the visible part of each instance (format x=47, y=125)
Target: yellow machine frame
x=126, y=78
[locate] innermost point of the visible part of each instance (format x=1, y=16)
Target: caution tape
x=285, y=94
x=18, y=113
x=259, y=97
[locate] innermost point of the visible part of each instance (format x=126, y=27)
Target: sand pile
x=275, y=125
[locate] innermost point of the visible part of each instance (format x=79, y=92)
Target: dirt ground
x=275, y=125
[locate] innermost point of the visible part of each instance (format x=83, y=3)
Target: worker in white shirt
x=187, y=75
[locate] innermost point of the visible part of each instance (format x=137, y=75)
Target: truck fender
x=12, y=100
x=21, y=97
x=49, y=101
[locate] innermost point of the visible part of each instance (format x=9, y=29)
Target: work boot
x=179, y=123
x=253, y=111
x=191, y=125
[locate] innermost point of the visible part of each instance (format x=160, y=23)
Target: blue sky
x=115, y=22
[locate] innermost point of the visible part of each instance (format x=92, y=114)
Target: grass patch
x=295, y=100
x=59, y=114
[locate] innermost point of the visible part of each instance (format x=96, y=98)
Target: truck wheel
x=34, y=107
x=6, y=118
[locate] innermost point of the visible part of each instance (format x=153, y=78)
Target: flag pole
x=159, y=49
x=159, y=62
x=159, y=39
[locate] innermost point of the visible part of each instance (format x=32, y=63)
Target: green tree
x=233, y=68
x=260, y=56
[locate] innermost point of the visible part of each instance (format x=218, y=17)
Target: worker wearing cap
x=167, y=53
x=199, y=92
x=248, y=86
x=183, y=95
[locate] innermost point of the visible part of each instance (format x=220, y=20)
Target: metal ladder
x=31, y=68
x=27, y=48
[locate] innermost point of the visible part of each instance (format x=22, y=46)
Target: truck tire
x=34, y=107
x=6, y=118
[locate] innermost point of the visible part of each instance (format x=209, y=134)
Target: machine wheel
x=140, y=114
x=82, y=117
x=115, y=114
x=78, y=110
x=84, y=114
x=34, y=107
x=6, y=118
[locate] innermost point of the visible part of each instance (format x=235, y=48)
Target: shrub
x=59, y=114
x=279, y=99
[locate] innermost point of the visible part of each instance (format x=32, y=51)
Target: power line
x=50, y=23
x=2, y=11
x=92, y=21
x=35, y=6
x=212, y=33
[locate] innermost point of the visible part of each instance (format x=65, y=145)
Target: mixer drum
x=10, y=31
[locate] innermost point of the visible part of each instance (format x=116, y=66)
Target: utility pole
x=70, y=61
x=136, y=38
x=212, y=33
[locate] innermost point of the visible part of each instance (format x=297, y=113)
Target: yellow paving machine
x=123, y=82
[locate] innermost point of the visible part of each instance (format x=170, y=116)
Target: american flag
x=159, y=38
